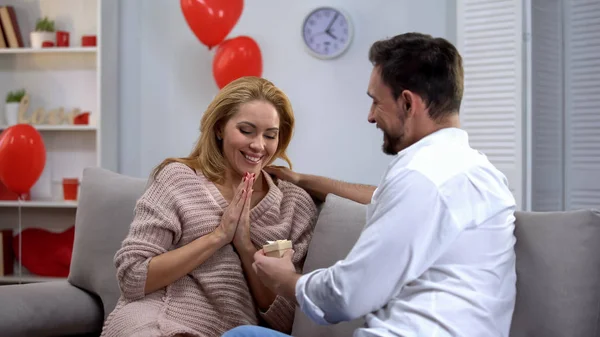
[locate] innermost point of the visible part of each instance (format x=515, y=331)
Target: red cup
x=70, y=188
x=88, y=41
x=82, y=119
x=62, y=38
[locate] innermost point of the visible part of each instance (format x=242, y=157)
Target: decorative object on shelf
x=45, y=253
x=43, y=117
x=11, y=107
x=47, y=44
x=211, y=20
x=62, y=38
x=88, y=41
x=6, y=252
x=44, y=31
x=10, y=27
x=327, y=32
x=70, y=188
x=22, y=157
x=82, y=119
x=236, y=58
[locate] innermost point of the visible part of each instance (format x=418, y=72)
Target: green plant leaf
x=15, y=96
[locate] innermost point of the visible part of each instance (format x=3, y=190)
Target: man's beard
x=391, y=145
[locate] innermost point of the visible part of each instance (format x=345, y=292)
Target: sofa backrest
x=558, y=257
x=338, y=227
x=104, y=214
x=558, y=274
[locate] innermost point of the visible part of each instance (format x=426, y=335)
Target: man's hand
x=277, y=274
x=284, y=173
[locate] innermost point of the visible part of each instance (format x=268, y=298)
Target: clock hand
x=331, y=23
x=330, y=34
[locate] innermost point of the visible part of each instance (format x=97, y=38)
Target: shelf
x=39, y=204
x=28, y=278
x=60, y=127
x=51, y=50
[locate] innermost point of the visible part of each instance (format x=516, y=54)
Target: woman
x=185, y=268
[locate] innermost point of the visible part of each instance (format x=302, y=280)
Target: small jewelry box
x=277, y=248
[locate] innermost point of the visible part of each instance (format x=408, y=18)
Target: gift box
x=277, y=248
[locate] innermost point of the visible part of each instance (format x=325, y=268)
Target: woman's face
x=250, y=137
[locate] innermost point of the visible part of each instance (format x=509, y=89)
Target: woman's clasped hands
x=235, y=222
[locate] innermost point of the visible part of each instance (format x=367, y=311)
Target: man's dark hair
x=430, y=67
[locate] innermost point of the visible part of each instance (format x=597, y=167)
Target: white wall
x=166, y=80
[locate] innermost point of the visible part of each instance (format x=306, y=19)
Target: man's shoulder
x=442, y=163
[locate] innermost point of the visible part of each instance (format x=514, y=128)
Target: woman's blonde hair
x=207, y=155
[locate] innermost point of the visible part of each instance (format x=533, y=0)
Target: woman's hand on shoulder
x=231, y=217
x=284, y=173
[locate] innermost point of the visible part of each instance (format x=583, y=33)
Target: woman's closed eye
x=269, y=135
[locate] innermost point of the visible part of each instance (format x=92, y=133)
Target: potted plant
x=44, y=31
x=11, y=108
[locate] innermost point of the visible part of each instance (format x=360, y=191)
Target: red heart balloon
x=45, y=253
x=22, y=157
x=211, y=20
x=235, y=58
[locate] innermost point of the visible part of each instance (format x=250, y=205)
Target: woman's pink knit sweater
x=178, y=207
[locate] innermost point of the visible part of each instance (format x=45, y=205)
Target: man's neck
x=452, y=121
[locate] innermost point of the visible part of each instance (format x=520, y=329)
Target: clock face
x=327, y=32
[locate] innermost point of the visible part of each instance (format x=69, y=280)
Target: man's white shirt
x=436, y=257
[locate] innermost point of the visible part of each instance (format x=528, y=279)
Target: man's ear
x=407, y=101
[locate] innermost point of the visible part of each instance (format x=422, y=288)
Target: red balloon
x=211, y=20
x=235, y=58
x=22, y=157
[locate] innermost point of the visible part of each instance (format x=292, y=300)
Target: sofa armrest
x=48, y=309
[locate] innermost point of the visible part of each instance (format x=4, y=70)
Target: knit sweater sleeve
x=280, y=315
x=154, y=230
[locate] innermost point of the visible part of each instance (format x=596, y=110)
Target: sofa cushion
x=558, y=274
x=104, y=214
x=338, y=227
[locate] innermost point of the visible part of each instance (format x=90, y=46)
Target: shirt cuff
x=307, y=306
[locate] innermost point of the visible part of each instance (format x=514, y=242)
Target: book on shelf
x=10, y=27
x=2, y=38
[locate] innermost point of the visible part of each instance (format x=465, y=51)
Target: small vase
x=38, y=38
x=11, y=113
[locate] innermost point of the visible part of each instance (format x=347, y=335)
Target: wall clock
x=327, y=32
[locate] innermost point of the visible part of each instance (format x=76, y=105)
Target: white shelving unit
x=74, y=77
x=39, y=204
x=70, y=50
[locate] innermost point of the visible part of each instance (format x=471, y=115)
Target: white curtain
x=489, y=38
x=532, y=96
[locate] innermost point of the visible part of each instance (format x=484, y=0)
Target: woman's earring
x=219, y=138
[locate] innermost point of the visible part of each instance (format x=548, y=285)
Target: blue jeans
x=253, y=331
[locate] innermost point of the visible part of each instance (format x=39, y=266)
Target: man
x=436, y=257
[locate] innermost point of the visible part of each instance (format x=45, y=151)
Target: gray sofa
x=558, y=266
